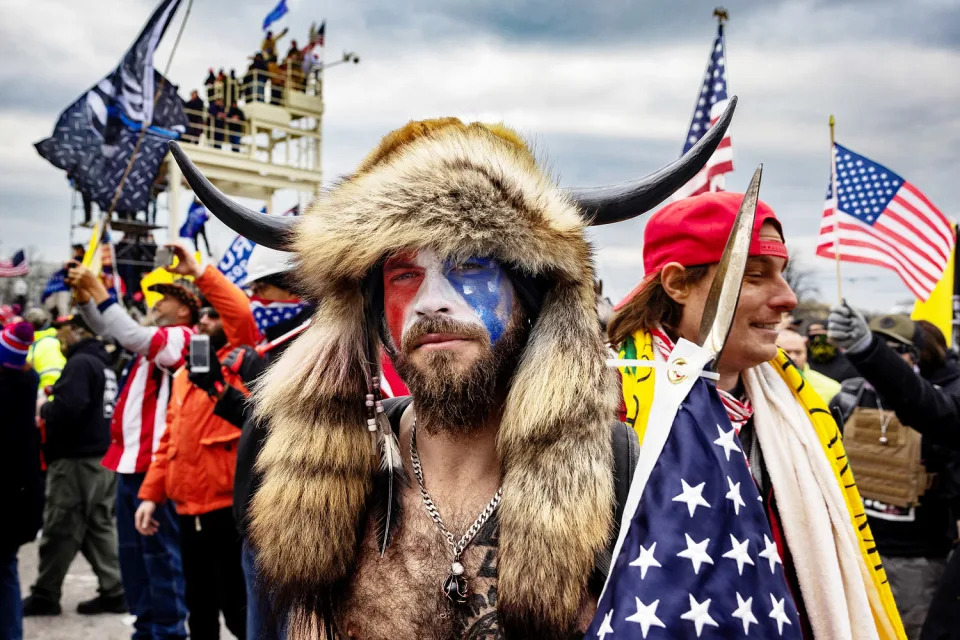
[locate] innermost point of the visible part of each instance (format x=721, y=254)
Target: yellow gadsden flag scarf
x=638, y=397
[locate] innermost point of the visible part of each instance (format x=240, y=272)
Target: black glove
x=210, y=381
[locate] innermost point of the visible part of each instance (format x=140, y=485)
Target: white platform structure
x=276, y=146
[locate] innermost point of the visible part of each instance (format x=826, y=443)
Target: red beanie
x=694, y=231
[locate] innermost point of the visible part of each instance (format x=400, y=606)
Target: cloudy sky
x=603, y=90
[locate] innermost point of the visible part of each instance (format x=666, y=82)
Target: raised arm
x=165, y=345
x=917, y=403
x=227, y=298
x=91, y=314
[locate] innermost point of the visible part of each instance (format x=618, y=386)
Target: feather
x=391, y=478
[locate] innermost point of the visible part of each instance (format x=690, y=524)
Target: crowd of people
x=889, y=382
x=192, y=502
x=218, y=117
x=138, y=463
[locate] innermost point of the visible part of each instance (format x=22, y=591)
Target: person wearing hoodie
x=78, y=512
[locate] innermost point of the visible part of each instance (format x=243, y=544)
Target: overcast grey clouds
x=604, y=90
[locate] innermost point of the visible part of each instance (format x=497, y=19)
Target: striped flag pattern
x=710, y=105
x=874, y=216
x=16, y=266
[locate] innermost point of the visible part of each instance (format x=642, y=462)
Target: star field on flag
x=879, y=218
x=698, y=559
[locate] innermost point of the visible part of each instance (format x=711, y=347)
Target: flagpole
x=955, y=308
x=836, y=210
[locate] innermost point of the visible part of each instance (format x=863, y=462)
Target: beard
x=217, y=339
x=448, y=398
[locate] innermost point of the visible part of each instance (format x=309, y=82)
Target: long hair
x=932, y=348
x=652, y=307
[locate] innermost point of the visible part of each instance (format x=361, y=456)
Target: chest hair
x=398, y=597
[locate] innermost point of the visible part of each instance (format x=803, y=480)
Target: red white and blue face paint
x=475, y=291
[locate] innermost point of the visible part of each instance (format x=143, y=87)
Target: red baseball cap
x=694, y=231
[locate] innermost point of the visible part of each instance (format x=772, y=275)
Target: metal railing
x=270, y=85
x=295, y=145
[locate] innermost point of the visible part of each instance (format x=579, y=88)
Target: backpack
x=626, y=449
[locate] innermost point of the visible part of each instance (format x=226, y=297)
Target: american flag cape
x=696, y=557
x=876, y=217
x=710, y=105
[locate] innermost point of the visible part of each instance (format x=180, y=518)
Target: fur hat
x=459, y=190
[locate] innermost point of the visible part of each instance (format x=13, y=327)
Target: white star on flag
x=745, y=613
x=696, y=552
x=726, y=440
x=770, y=553
x=605, y=628
x=646, y=560
x=734, y=495
x=778, y=612
x=738, y=552
x=692, y=496
x=699, y=614
x=646, y=616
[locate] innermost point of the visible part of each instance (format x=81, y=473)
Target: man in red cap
x=777, y=423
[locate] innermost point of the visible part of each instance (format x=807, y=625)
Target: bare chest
x=398, y=596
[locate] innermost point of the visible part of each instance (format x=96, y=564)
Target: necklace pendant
x=455, y=586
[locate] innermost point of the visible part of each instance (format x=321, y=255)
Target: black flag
x=95, y=137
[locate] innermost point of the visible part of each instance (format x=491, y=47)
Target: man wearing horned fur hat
x=486, y=507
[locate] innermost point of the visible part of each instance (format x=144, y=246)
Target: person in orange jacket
x=195, y=461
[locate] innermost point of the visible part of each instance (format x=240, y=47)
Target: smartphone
x=163, y=257
x=200, y=353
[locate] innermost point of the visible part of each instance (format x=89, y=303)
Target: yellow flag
x=91, y=257
x=938, y=309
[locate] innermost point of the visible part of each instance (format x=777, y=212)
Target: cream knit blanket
x=834, y=582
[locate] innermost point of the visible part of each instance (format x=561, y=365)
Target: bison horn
x=269, y=231
x=606, y=205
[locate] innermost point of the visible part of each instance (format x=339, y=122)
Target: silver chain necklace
x=454, y=587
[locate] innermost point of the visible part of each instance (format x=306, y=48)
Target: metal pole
x=955, y=321
x=836, y=211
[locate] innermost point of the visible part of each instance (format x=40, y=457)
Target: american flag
x=879, y=218
x=698, y=558
x=710, y=105
x=16, y=266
